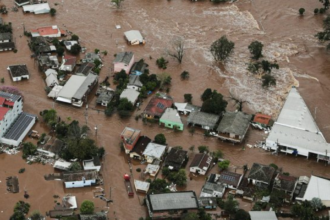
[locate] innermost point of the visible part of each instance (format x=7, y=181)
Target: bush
x=203, y=149
x=75, y=37
x=138, y=170
x=301, y=11
x=22, y=170
x=52, y=11
x=161, y=63
x=75, y=49
x=184, y=75
x=187, y=97
x=160, y=139
x=87, y=207
x=316, y=10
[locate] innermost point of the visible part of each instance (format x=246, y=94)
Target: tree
x=187, y=98
x=303, y=211
x=231, y=205
x=326, y=4
x=191, y=130
x=268, y=80
x=158, y=186
x=203, y=149
x=165, y=171
x=52, y=11
x=60, y=51
x=179, y=178
x=101, y=152
x=160, y=139
x=87, y=207
x=61, y=129
x=224, y=164
x=190, y=216
x=28, y=149
x=325, y=34
x=215, y=104
x=217, y=154
x=161, y=63
x=50, y=117
x=75, y=37
x=75, y=166
x=222, y=48
x=75, y=49
x=301, y=11
x=241, y=214
x=316, y=10
x=177, y=48
x=203, y=215
x=316, y=203
x=256, y=49
x=36, y=216
x=207, y=94
x=124, y=108
x=184, y=75
x=21, y=208
x=238, y=101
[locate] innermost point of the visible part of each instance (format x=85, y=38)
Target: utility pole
x=86, y=112
x=96, y=128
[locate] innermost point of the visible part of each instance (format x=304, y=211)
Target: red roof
x=43, y=31
x=69, y=60
x=3, y=112
x=158, y=105
x=262, y=119
x=2, y=100
x=9, y=103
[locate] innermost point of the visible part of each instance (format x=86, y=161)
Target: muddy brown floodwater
x=288, y=39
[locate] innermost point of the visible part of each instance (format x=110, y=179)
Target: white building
x=80, y=179
x=37, y=8
x=134, y=37
x=68, y=63
x=62, y=165
x=154, y=151
x=14, y=123
x=92, y=164
x=295, y=131
x=18, y=72
x=51, y=79
x=130, y=94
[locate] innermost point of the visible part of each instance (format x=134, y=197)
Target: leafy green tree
x=161, y=63
x=179, y=178
x=316, y=10
x=50, y=117
x=326, y=4
x=215, y=104
x=241, y=214
x=187, y=98
x=81, y=149
x=268, y=66
x=217, y=154
x=75, y=166
x=36, y=216
x=316, y=203
x=28, y=149
x=160, y=139
x=165, y=171
x=158, y=186
x=207, y=94
x=274, y=166
x=222, y=48
x=231, y=205
x=203, y=149
x=203, y=215
x=301, y=11
x=224, y=164
x=124, y=108
x=60, y=51
x=190, y=216
x=52, y=11
x=74, y=37
x=268, y=80
x=303, y=211
x=61, y=129
x=21, y=208
x=184, y=75
x=325, y=34
x=87, y=207
x=75, y=49
x=255, y=49
x=101, y=152
x=17, y=216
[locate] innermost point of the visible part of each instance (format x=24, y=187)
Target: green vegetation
x=75, y=49
x=74, y=37
x=49, y=117
x=255, y=49
x=20, y=210
x=231, y=205
x=22, y=170
x=184, y=75
x=268, y=80
x=75, y=166
x=223, y=165
x=36, y=216
x=187, y=98
x=2, y=80
x=301, y=11
x=203, y=149
x=28, y=149
x=52, y=11
x=213, y=102
x=241, y=214
x=158, y=186
x=179, y=177
x=161, y=63
x=324, y=35
x=5, y=28
x=87, y=207
x=222, y=48
x=160, y=139
x=125, y=108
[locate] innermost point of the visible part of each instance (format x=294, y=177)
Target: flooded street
x=287, y=38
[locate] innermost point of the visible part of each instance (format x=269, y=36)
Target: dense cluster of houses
x=6, y=38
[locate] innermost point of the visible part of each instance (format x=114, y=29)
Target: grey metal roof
x=173, y=201
x=134, y=80
x=234, y=123
x=9, y=96
x=89, y=81
x=91, y=57
x=105, y=96
x=7, y=45
x=203, y=119
x=261, y=173
x=262, y=215
x=133, y=35
x=5, y=36
x=85, y=68
x=18, y=70
x=213, y=187
x=19, y=126
x=95, y=216
x=171, y=115
x=123, y=57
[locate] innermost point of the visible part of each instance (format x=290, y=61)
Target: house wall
x=10, y=116
x=122, y=66
x=6, y=49
x=169, y=124
x=77, y=184
x=197, y=170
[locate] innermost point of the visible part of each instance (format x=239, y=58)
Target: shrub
x=161, y=63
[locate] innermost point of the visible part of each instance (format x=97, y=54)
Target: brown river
x=287, y=37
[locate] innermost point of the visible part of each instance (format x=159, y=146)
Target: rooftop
x=18, y=70
x=3, y=112
x=261, y=173
x=230, y=178
x=130, y=135
x=80, y=175
x=157, y=105
x=201, y=160
x=133, y=35
x=141, y=185
x=71, y=86
x=318, y=187
x=91, y=57
x=69, y=60
x=284, y=182
x=175, y=158
x=262, y=215
x=5, y=36
x=85, y=68
x=104, y=96
x=171, y=115
x=134, y=80
x=154, y=150
x=182, y=200
x=203, y=119
x=124, y=57
x=130, y=94
x=139, y=67
x=85, y=86
x=44, y=31
x=18, y=128
x=141, y=145
x=7, y=45
x=209, y=188
x=262, y=119
x=234, y=123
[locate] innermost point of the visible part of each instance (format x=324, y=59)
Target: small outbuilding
x=134, y=37
x=141, y=186
x=153, y=152
x=263, y=215
x=123, y=61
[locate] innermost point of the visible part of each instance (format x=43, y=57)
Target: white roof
x=133, y=35
x=62, y=165
x=142, y=186
x=72, y=201
x=131, y=94
x=152, y=168
x=71, y=87
x=50, y=71
x=55, y=91
x=37, y=8
x=318, y=188
x=171, y=115
x=262, y=215
x=51, y=79
x=154, y=150
x=295, y=113
x=180, y=106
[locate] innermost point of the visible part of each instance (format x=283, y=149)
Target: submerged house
x=6, y=43
x=80, y=178
x=139, y=68
x=123, y=61
x=171, y=119
x=286, y=184
x=47, y=62
x=37, y=8
x=261, y=175
x=186, y=108
x=201, y=163
x=134, y=37
x=175, y=159
x=205, y=120
x=68, y=63
x=234, y=126
x=153, y=152
x=139, y=148
x=18, y=72
x=50, y=31
x=157, y=106
x=131, y=95
x=130, y=136
x=134, y=82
